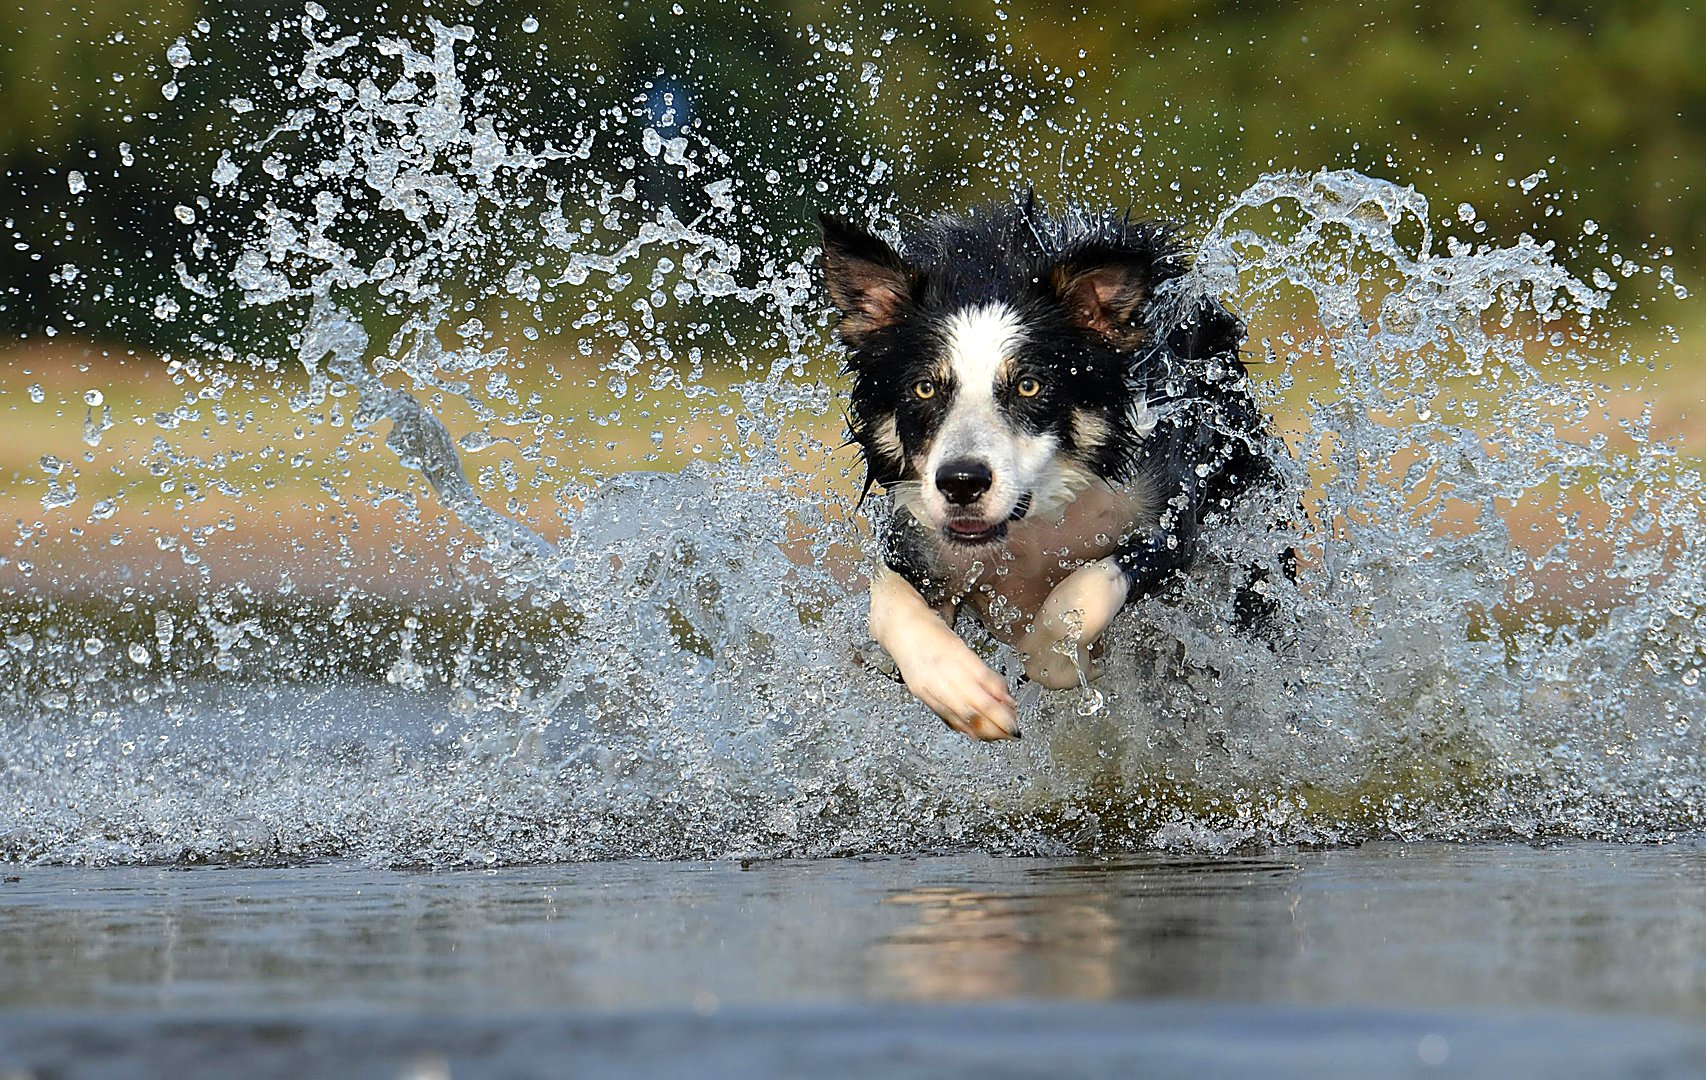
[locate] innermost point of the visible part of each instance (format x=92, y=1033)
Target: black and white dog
x=1054, y=424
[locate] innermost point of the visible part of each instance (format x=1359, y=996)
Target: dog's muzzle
x=962, y=483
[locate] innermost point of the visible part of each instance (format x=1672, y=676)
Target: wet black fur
x=1180, y=352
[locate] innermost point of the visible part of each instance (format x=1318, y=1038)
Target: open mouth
x=971, y=531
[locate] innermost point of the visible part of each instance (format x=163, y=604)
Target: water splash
x=665, y=663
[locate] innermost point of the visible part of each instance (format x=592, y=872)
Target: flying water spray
x=580, y=370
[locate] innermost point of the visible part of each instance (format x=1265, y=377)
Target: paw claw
x=962, y=690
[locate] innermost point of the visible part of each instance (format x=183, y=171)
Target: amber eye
x=1029, y=387
x=925, y=389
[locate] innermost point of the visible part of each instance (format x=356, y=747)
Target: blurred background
x=1582, y=125
x=1602, y=106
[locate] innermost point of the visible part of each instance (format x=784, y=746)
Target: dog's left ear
x=868, y=281
x=1103, y=287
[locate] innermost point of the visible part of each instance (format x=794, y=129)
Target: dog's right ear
x=1103, y=285
x=869, y=283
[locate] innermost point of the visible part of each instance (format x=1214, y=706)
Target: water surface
x=1378, y=959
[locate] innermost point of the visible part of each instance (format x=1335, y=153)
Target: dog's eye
x=1029, y=387
x=925, y=389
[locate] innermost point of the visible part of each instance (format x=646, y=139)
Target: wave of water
x=1498, y=628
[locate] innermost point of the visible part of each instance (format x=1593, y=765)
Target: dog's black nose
x=962, y=482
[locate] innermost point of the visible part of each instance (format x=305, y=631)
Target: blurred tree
x=917, y=105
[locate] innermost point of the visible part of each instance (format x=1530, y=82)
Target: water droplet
x=184, y=214
x=74, y=180
x=138, y=653
x=529, y=25
x=96, y=424
x=93, y=397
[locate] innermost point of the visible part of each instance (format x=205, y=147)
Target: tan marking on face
x=887, y=437
x=1090, y=429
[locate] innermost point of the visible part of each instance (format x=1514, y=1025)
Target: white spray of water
x=697, y=692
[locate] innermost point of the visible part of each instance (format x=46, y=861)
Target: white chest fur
x=1007, y=584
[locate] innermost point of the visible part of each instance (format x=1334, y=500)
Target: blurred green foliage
x=1463, y=99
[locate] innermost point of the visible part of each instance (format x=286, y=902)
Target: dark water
x=1388, y=960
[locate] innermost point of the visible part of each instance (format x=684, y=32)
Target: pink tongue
x=968, y=527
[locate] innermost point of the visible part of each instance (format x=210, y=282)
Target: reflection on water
x=1089, y=930
x=1425, y=925
x=1594, y=927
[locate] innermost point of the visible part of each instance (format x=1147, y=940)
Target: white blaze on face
x=980, y=345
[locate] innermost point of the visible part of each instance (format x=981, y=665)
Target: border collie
x=1053, y=422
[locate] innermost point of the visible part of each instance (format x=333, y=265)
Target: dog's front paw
x=1060, y=649
x=960, y=688
x=1058, y=664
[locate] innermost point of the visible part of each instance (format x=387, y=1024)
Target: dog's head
x=994, y=358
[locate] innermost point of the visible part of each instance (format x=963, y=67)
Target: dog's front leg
x=1058, y=645
x=939, y=668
